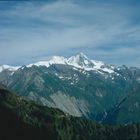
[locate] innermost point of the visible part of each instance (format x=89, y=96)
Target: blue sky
x=106, y=30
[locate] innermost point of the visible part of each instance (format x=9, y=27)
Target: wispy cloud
x=104, y=30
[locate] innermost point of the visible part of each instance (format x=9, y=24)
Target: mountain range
x=22, y=119
x=80, y=87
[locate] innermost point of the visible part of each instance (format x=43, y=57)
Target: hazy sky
x=106, y=30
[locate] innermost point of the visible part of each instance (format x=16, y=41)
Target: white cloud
x=63, y=25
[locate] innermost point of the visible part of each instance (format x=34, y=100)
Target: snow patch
x=10, y=68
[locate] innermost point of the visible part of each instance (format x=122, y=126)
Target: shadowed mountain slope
x=22, y=119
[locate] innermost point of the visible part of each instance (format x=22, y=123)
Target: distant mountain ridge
x=80, y=87
x=79, y=61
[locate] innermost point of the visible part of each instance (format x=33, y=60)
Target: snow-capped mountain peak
x=83, y=62
x=77, y=58
x=58, y=60
x=52, y=60
x=82, y=55
x=79, y=61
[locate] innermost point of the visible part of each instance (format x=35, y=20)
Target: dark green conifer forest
x=22, y=119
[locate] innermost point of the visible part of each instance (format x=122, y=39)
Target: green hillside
x=22, y=119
